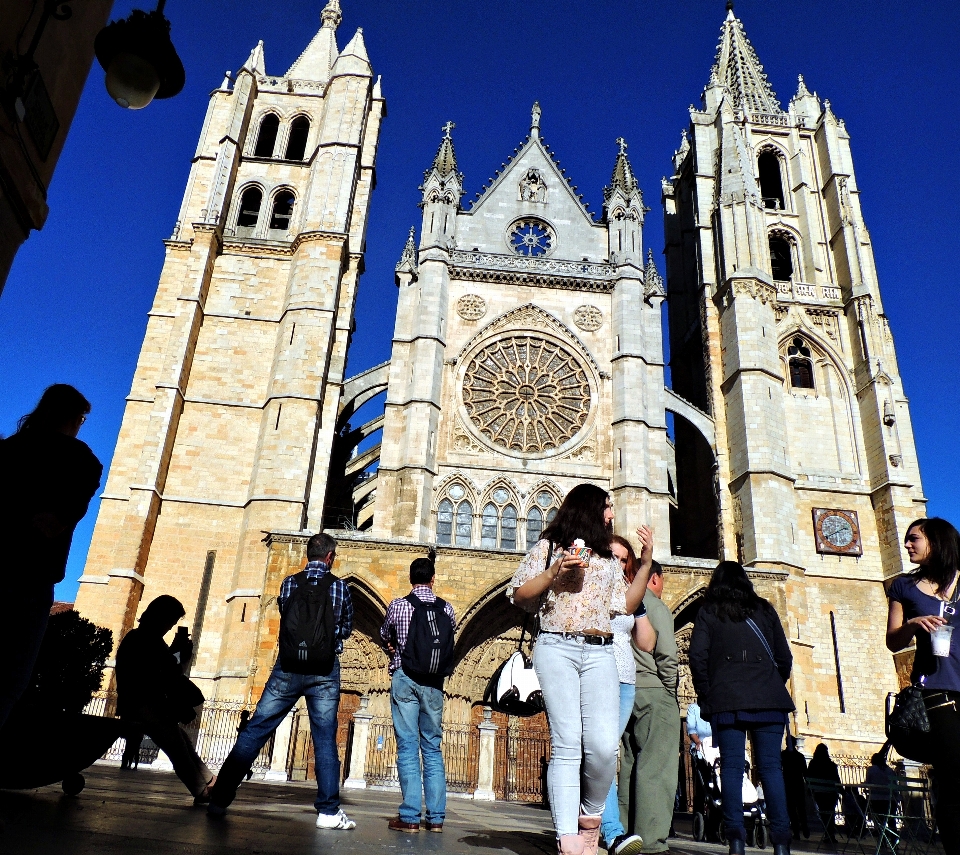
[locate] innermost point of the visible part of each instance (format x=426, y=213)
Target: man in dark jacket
x=649, y=749
x=47, y=478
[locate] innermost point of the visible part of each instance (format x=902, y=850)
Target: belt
x=602, y=640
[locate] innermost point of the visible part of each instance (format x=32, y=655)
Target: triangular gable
x=532, y=153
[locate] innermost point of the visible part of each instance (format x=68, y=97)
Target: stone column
x=358, y=747
x=486, y=765
x=281, y=750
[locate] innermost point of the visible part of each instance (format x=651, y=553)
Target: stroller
x=708, y=808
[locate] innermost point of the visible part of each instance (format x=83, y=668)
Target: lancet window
x=539, y=515
x=297, y=141
x=455, y=518
x=267, y=135
x=282, y=210
x=801, y=365
x=498, y=523
x=770, y=173
x=250, y=203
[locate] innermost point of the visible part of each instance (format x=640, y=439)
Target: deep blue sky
x=74, y=308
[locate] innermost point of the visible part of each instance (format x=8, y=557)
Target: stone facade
x=527, y=357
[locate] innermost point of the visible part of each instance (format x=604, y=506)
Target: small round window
x=531, y=237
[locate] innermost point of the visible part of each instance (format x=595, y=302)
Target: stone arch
x=268, y=129
x=364, y=663
x=489, y=633
x=684, y=615
x=829, y=408
x=238, y=206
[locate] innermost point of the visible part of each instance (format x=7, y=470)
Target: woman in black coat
x=740, y=662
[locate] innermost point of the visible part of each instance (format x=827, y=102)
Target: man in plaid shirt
x=284, y=689
x=416, y=703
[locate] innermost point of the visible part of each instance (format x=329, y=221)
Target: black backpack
x=429, y=647
x=307, y=642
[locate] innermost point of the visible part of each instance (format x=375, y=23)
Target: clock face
x=837, y=532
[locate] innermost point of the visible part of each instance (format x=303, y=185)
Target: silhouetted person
x=823, y=770
x=794, y=772
x=153, y=692
x=241, y=727
x=47, y=478
x=131, y=750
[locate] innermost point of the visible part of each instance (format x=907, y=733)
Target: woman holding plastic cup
x=924, y=606
x=576, y=585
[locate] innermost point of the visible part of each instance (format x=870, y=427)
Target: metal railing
x=213, y=732
x=461, y=756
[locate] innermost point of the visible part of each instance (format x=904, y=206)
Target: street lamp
x=140, y=60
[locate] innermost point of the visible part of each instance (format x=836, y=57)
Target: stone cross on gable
x=449, y=126
x=623, y=145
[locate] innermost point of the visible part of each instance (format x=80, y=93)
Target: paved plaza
x=150, y=812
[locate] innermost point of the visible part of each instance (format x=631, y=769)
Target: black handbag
x=908, y=726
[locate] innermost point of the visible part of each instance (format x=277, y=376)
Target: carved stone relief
x=471, y=307
x=588, y=318
x=532, y=187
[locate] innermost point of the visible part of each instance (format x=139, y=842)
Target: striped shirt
x=339, y=596
x=396, y=625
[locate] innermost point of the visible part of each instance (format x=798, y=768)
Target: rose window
x=530, y=237
x=526, y=394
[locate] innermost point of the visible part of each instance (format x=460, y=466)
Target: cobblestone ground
x=150, y=812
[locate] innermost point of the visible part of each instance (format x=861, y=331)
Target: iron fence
x=212, y=732
x=522, y=755
x=461, y=756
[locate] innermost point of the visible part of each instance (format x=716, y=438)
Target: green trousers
x=649, y=752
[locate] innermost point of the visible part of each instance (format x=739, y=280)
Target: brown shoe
x=397, y=824
x=433, y=826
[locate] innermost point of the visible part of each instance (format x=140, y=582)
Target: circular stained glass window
x=526, y=394
x=531, y=237
x=545, y=499
x=456, y=492
x=500, y=496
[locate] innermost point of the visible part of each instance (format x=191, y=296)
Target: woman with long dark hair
x=572, y=579
x=740, y=662
x=47, y=478
x=923, y=606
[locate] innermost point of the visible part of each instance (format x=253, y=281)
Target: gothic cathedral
x=527, y=357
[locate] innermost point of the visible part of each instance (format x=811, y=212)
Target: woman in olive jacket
x=740, y=662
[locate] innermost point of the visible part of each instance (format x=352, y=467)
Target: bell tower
x=229, y=423
x=777, y=331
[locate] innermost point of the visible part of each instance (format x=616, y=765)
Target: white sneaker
x=338, y=821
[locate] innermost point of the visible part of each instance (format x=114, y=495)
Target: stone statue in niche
x=532, y=187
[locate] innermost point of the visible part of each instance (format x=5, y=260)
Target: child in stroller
x=707, y=808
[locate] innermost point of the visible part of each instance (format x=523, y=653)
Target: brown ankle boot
x=570, y=844
x=590, y=834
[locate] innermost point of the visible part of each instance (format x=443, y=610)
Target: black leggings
x=945, y=730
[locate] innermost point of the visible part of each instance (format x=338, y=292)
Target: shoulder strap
x=762, y=638
x=301, y=578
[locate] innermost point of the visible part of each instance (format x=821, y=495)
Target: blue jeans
x=610, y=826
x=417, y=713
x=767, y=740
x=578, y=681
x=280, y=694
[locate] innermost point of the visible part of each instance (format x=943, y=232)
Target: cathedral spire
x=255, y=61
x=738, y=69
x=623, y=178
x=446, y=160
x=319, y=56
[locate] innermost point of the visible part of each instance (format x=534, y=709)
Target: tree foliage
x=70, y=666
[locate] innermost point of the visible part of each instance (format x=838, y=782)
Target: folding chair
x=905, y=823
x=825, y=795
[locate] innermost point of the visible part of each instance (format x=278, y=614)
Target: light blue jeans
x=417, y=713
x=578, y=681
x=611, y=827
